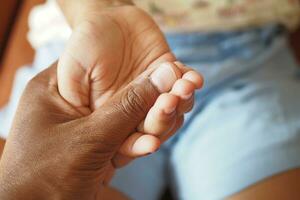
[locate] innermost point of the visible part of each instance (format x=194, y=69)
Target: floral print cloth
x=221, y=15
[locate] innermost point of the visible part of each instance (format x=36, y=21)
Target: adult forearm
x=77, y=10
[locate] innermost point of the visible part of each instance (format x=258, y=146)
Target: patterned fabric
x=221, y=15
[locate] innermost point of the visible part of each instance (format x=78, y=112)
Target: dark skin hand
x=52, y=153
x=55, y=153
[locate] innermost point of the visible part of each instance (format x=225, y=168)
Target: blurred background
x=15, y=51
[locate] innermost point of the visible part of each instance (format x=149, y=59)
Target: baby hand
x=109, y=50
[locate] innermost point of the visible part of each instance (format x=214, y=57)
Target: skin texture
x=54, y=152
x=135, y=101
x=2, y=143
x=262, y=189
x=282, y=186
x=108, y=49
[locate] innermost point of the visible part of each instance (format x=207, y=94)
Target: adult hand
x=53, y=152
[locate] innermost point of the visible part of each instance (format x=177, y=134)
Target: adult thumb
x=119, y=117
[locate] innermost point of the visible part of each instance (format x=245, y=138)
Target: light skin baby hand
x=107, y=50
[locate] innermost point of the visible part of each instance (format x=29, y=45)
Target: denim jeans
x=245, y=126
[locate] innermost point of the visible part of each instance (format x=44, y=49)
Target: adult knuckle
x=32, y=85
x=134, y=102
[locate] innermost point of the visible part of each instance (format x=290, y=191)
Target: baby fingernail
x=164, y=77
x=186, y=97
x=169, y=111
x=146, y=144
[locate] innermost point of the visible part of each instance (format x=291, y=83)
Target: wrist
x=78, y=11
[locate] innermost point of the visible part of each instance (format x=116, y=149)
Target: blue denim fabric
x=217, y=47
x=245, y=126
x=225, y=57
x=246, y=123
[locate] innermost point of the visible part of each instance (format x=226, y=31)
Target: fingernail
x=164, y=77
x=186, y=97
x=146, y=144
x=179, y=64
x=169, y=111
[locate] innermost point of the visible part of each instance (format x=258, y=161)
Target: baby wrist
x=77, y=11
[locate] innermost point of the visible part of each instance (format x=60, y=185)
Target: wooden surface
x=18, y=51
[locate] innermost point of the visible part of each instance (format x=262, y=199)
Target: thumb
x=119, y=117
